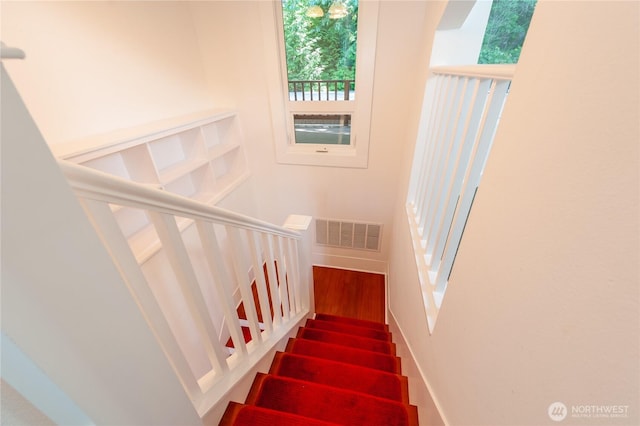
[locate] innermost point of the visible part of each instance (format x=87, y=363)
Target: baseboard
x=351, y=263
x=429, y=403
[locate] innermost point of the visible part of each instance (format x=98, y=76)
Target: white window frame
x=356, y=154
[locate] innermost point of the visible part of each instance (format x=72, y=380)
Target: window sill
x=323, y=155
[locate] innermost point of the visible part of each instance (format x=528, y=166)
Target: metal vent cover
x=349, y=234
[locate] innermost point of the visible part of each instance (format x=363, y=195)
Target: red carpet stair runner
x=336, y=371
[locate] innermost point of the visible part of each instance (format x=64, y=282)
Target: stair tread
x=348, y=340
x=341, y=375
x=356, y=330
x=250, y=415
x=352, y=321
x=336, y=370
x=328, y=403
x=346, y=354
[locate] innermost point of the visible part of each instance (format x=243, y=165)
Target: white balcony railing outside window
x=322, y=90
x=460, y=115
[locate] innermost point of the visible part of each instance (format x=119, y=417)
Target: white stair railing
x=226, y=238
x=461, y=112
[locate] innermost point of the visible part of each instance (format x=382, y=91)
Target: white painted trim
x=240, y=387
x=351, y=263
x=387, y=302
x=241, y=367
x=102, y=144
x=423, y=376
x=494, y=71
x=33, y=384
x=96, y=185
x=351, y=269
x=245, y=323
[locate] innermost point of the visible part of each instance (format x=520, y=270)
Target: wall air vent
x=345, y=234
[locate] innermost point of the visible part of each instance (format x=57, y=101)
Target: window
x=506, y=30
x=327, y=50
x=334, y=129
x=320, y=43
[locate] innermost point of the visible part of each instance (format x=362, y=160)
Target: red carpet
x=246, y=333
x=332, y=373
x=370, y=333
x=258, y=416
x=345, y=354
x=336, y=371
x=350, y=340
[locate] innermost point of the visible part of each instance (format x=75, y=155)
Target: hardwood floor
x=350, y=294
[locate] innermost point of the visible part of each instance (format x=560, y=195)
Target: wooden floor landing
x=350, y=294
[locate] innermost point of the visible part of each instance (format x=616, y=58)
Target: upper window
x=506, y=30
x=327, y=54
x=320, y=42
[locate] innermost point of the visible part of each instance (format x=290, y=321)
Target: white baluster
x=243, y=283
x=488, y=125
x=261, y=284
x=294, y=272
x=173, y=245
x=282, y=276
x=273, y=279
x=220, y=275
x=114, y=240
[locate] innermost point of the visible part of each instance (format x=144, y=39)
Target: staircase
x=336, y=371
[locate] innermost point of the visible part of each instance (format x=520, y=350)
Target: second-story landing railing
x=322, y=90
x=226, y=244
x=461, y=112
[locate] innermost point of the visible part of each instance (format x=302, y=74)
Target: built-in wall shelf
x=200, y=156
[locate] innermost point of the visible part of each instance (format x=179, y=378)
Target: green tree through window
x=506, y=30
x=319, y=48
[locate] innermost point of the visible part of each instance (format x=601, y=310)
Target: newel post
x=301, y=223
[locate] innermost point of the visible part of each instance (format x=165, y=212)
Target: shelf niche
x=200, y=157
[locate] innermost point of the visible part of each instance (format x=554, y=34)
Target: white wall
x=543, y=300
x=16, y=410
x=64, y=304
x=98, y=67
x=94, y=67
x=459, y=43
x=180, y=57
x=542, y=305
x=230, y=37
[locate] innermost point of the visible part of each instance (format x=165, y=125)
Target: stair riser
x=250, y=415
x=335, y=372
x=344, y=354
x=351, y=321
x=341, y=375
x=348, y=340
x=326, y=403
x=346, y=329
